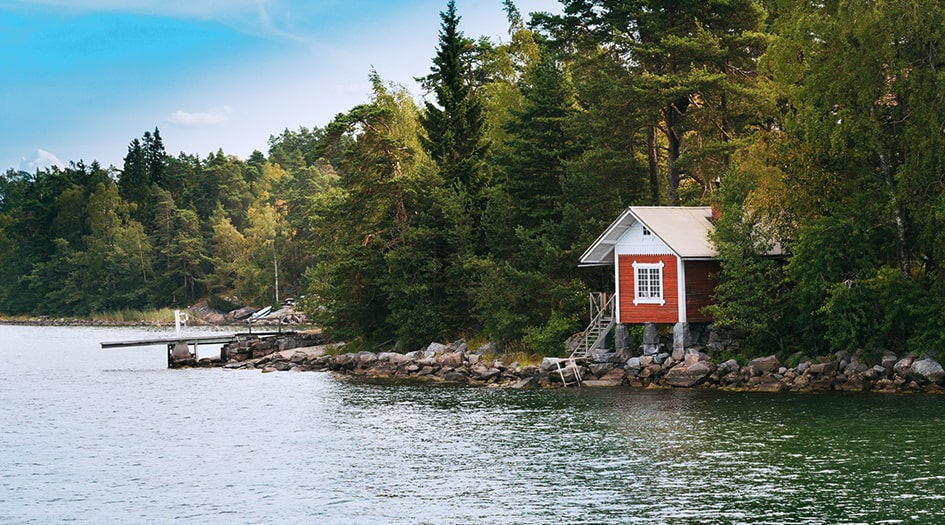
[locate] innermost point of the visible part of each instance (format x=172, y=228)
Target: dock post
x=180, y=318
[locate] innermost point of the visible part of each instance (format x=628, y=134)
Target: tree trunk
x=672, y=171
x=654, y=168
x=275, y=269
x=905, y=265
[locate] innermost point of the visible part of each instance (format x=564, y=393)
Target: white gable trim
x=639, y=240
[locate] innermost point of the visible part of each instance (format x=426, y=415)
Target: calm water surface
x=112, y=436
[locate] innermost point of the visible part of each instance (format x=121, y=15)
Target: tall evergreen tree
x=155, y=156
x=134, y=181
x=540, y=145
x=455, y=123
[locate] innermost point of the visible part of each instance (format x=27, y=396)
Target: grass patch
x=159, y=315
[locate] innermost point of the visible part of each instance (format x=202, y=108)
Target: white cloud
x=212, y=117
x=40, y=160
x=265, y=18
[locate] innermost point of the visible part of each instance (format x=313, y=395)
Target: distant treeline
x=815, y=126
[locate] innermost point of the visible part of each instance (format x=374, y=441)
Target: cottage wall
x=700, y=287
x=628, y=313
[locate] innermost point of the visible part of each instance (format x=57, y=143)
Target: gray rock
x=765, y=365
x=599, y=369
x=634, y=363
x=621, y=338
x=888, y=361
x=452, y=359
x=181, y=352
x=855, y=367
x=604, y=356
x=488, y=374
x=651, y=335
x=927, y=371
x=651, y=349
x=901, y=368
x=728, y=367
x=435, y=348
x=526, y=382
x=455, y=376
x=660, y=358
x=686, y=375
x=398, y=359
x=824, y=368
x=682, y=337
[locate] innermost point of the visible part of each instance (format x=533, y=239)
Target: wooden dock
x=182, y=349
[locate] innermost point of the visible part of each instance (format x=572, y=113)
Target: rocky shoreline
x=455, y=363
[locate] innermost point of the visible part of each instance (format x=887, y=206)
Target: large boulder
x=829, y=367
x=901, y=368
x=452, y=359
x=926, y=372
x=689, y=374
x=765, y=365
x=433, y=349
x=728, y=367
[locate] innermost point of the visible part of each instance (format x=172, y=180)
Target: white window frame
x=648, y=286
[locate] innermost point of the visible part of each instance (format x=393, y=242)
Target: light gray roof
x=685, y=230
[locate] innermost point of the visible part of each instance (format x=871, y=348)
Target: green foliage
x=752, y=292
x=465, y=216
x=549, y=339
x=872, y=313
x=455, y=125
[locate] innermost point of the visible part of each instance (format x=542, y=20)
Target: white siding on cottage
x=635, y=241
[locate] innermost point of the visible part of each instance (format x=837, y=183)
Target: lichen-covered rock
x=926, y=372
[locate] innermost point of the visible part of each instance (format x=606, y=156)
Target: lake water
x=112, y=436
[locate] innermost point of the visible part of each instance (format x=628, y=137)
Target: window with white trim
x=648, y=283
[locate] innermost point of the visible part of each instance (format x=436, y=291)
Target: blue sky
x=82, y=78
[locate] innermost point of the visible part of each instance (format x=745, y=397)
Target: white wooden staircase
x=602, y=322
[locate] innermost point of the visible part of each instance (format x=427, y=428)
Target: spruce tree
x=454, y=124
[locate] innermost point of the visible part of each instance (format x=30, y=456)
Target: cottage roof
x=685, y=230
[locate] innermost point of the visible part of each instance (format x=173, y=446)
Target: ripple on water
x=97, y=437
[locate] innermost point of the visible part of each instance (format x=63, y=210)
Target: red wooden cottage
x=663, y=263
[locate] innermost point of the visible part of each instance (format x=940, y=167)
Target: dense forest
x=816, y=126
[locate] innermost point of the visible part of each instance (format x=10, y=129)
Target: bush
x=549, y=340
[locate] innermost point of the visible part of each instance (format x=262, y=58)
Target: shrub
x=549, y=340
